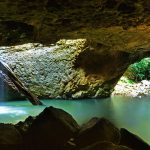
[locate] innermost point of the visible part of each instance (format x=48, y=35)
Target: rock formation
x=114, y=34
x=50, y=20
x=68, y=69
x=56, y=129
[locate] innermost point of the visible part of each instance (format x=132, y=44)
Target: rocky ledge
x=56, y=129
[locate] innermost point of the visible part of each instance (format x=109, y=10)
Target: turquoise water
x=130, y=113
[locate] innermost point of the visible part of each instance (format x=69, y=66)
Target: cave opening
x=83, y=48
x=88, y=65
x=135, y=82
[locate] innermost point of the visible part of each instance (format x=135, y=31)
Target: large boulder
x=97, y=130
x=10, y=138
x=131, y=140
x=51, y=129
x=68, y=69
x=9, y=134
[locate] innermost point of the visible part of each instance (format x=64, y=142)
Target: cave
x=74, y=75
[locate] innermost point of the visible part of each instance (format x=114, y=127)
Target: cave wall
x=47, y=21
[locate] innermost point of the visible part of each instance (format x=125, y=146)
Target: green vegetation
x=139, y=71
x=126, y=80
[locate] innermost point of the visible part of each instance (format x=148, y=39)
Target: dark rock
x=71, y=145
x=131, y=140
x=126, y=7
x=10, y=138
x=23, y=126
x=9, y=134
x=51, y=130
x=97, y=130
x=105, y=146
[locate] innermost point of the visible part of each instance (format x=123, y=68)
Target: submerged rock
x=97, y=130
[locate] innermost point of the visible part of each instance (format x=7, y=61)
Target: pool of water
x=130, y=113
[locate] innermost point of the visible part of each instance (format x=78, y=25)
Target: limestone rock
x=97, y=130
x=117, y=33
x=68, y=69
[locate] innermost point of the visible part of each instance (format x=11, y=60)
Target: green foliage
x=139, y=71
x=124, y=79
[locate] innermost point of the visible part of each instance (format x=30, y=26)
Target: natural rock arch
x=116, y=32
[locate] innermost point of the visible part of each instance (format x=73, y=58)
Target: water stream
x=130, y=113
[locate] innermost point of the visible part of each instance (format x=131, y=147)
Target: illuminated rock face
x=68, y=69
x=114, y=34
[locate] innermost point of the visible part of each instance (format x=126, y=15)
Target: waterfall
x=5, y=69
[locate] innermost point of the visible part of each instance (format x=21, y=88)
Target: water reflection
x=133, y=114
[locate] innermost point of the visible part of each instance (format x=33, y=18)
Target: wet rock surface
x=56, y=129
